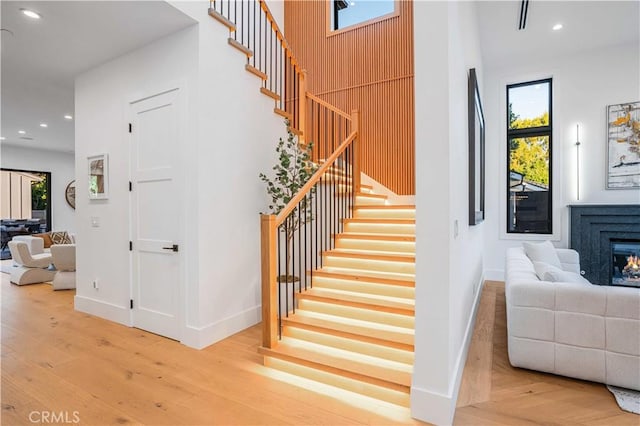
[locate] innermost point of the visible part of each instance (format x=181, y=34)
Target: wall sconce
x=577, y=161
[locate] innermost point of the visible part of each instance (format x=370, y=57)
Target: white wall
x=232, y=136
x=101, y=108
x=449, y=266
x=583, y=86
x=62, y=168
x=237, y=135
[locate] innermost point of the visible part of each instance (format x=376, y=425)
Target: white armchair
x=29, y=269
x=64, y=260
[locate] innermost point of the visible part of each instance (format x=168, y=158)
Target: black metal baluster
x=299, y=247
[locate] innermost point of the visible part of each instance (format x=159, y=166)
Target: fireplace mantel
x=592, y=227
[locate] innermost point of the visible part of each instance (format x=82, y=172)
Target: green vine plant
x=292, y=171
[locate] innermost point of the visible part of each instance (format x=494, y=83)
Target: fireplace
x=605, y=236
x=625, y=262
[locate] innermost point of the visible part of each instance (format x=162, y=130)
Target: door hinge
x=130, y=245
x=130, y=186
x=130, y=128
x=131, y=303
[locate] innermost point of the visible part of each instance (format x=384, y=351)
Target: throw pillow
x=544, y=270
x=60, y=238
x=47, y=239
x=542, y=252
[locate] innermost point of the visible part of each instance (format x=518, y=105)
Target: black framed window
x=346, y=13
x=529, y=159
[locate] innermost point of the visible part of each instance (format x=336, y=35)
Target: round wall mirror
x=70, y=194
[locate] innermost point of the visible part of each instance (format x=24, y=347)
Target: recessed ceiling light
x=2, y=138
x=43, y=125
x=68, y=117
x=31, y=14
x=557, y=27
x=22, y=132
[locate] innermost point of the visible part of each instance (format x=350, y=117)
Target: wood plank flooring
x=56, y=359
x=494, y=393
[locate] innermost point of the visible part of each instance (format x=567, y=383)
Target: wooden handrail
x=279, y=34
x=328, y=106
x=314, y=179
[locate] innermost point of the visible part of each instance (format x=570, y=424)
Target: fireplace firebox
x=625, y=262
x=606, y=236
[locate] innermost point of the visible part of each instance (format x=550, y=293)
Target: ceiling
x=587, y=25
x=42, y=58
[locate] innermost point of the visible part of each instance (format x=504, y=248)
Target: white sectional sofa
x=574, y=329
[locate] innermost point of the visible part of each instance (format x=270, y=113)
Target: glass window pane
x=529, y=195
x=352, y=12
x=529, y=105
x=530, y=158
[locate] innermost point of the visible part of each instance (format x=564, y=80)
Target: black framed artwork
x=476, y=151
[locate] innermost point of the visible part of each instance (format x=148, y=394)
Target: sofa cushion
x=542, y=252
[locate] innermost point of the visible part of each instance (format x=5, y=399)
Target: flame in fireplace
x=633, y=266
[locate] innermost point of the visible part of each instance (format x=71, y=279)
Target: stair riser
x=394, y=397
x=372, y=265
x=396, y=320
x=380, y=228
x=408, y=247
x=367, y=201
x=364, y=287
x=365, y=348
x=384, y=214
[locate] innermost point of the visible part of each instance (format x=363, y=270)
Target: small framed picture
x=98, y=177
x=623, y=146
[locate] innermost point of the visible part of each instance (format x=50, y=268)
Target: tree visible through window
x=529, y=157
x=345, y=13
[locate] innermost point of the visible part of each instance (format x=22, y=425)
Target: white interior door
x=156, y=202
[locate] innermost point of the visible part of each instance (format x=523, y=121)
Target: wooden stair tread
x=371, y=254
x=293, y=322
x=365, y=365
x=387, y=207
x=356, y=275
x=227, y=23
x=270, y=94
x=376, y=330
x=380, y=221
x=366, y=195
x=376, y=237
x=240, y=47
x=370, y=301
x=356, y=313
x=283, y=113
x=396, y=389
x=255, y=71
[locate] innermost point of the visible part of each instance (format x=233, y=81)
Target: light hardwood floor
x=55, y=359
x=494, y=393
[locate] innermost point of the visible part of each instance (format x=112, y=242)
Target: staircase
x=354, y=327
x=349, y=320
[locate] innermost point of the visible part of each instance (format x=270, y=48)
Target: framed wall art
x=623, y=146
x=98, y=177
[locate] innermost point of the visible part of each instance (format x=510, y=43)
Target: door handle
x=172, y=248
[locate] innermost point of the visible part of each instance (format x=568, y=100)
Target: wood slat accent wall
x=369, y=68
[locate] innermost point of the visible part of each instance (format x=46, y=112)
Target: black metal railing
x=256, y=30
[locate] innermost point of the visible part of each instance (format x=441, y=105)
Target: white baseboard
x=102, y=309
x=201, y=337
x=494, y=274
x=435, y=407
